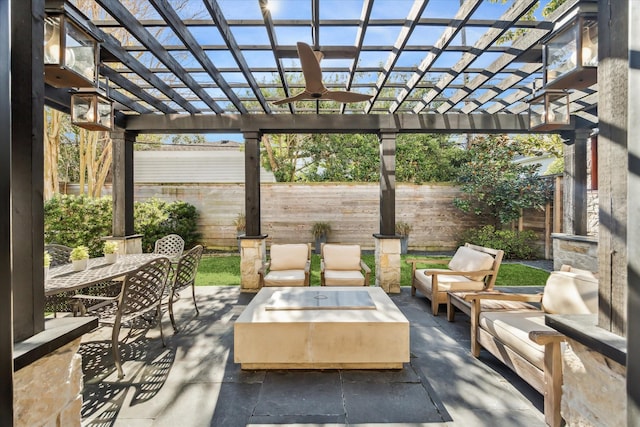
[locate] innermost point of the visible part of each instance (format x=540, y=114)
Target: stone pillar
x=48, y=392
x=593, y=389
x=128, y=244
x=253, y=252
x=388, y=263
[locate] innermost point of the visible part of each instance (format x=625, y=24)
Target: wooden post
x=27, y=171
x=613, y=71
x=252, y=182
x=123, y=183
x=387, y=183
x=633, y=226
x=6, y=313
x=557, y=205
x=547, y=231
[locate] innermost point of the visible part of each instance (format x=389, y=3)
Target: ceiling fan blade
x=343, y=96
x=310, y=69
x=302, y=95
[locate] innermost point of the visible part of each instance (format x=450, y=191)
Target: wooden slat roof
x=412, y=56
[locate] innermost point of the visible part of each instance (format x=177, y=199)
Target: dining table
x=63, y=278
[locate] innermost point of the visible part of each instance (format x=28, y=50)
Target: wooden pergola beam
x=169, y=14
x=330, y=123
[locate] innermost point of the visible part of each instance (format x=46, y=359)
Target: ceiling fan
x=314, y=88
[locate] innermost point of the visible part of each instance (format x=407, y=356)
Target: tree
x=495, y=186
x=427, y=158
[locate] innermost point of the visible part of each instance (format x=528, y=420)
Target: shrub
x=515, y=244
x=155, y=218
x=81, y=220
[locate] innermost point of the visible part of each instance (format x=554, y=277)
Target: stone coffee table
x=321, y=328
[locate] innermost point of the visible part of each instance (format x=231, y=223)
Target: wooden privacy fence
x=288, y=211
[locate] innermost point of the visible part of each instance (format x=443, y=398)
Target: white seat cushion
x=512, y=329
x=448, y=282
x=343, y=278
x=284, y=278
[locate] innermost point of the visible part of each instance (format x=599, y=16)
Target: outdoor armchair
x=289, y=265
x=472, y=268
x=342, y=265
x=185, y=276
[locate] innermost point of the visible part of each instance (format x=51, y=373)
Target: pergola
x=217, y=67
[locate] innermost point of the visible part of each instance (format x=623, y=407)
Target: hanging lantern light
x=92, y=110
x=549, y=110
x=70, y=54
x=570, y=52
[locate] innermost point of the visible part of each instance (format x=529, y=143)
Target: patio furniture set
x=127, y=291
x=509, y=325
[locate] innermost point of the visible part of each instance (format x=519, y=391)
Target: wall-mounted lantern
x=70, y=54
x=92, y=110
x=549, y=110
x=570, y=52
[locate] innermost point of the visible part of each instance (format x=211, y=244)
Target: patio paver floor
x=194, y=381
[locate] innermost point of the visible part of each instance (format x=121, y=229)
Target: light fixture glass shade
x=92, y=110
x=571, y=54
x=549, y=111
x=70, y=54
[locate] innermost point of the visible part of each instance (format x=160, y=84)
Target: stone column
x=48, y=392
x=253, y=252
x=593, y=390
x=388, y=263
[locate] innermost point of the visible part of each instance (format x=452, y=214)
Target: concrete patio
x=194, y=381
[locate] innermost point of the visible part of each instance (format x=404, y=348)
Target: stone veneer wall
x=577, y=251
x=48, y=391
x=387, y=255
x=593, y=390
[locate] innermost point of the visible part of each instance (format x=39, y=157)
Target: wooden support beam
x=27, y=158
x=252, y=182
x=331, y=123
x=234, y=49
x=123, y=184
x=613, y=72
x=515, y=12
x=367, y=5
x=387, y=183
x=633, y=226
x=165, y=9
x=271, y=33
x=6, y=312
x=124, y=16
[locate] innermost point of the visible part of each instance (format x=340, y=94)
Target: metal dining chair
x=170, y=245
x=60, y=302
x=184, y=276
x=142, y=292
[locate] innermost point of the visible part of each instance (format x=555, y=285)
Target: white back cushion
x=570, y=293
x=289, y=257
x=467, y=259
x=341, y=257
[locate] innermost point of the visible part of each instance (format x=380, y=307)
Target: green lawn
x=225, y=270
